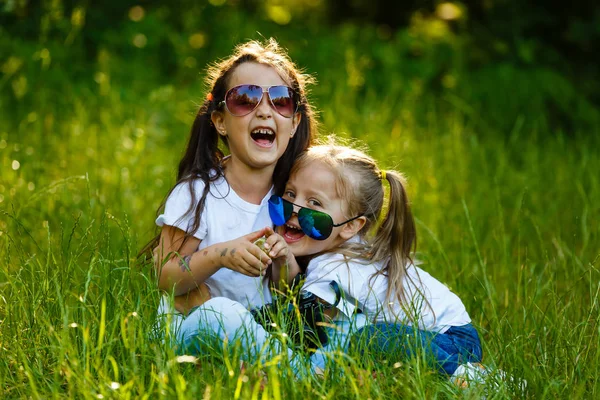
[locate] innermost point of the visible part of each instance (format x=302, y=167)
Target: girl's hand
x=243, y=256
x=276, y=246
x=285, y=267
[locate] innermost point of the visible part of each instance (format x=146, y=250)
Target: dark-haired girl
x=205, y=253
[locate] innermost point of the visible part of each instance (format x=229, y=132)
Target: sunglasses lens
x=241, y=100
x=315, y=224
x=282, y=98
x=279, y=210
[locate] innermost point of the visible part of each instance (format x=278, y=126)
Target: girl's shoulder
x=421, y=281
x=188, y=192
x=418, y=274
x=342, y=266
x=196, y=185
x=347, y=255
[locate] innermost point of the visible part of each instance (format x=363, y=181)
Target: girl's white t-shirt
x=226, y=216
x=430, y=303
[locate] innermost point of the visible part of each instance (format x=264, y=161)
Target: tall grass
x=508, y=219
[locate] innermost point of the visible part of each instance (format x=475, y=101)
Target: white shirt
x=444, y=310
x=226, y=216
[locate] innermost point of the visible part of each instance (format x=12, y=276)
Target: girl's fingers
x=255, y=264
x=274, y=238
x=243, y=267
x=247, y=270
x=272, y=241
x=278, y=250
x=251, y=237
x=268, y=231
x=243, y=261
x=276, y=245
x=260, y=254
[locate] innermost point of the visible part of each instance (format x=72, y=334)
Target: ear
x=295, y=122
x=219, y=122
x=352, y=228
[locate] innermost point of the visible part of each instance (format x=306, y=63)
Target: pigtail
x=201, y=160
x=396, y=236
x=202, y=152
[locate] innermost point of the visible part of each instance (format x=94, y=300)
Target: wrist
x=217, y=261
x=209, y=259
x=291, y=260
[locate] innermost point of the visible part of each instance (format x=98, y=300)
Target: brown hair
x=359, y=182
x=202, y=157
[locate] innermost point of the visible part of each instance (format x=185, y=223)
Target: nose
x=264, y=109
x=293, y=219
x=294, y=208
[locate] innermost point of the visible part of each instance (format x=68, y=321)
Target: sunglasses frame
x=265, y=89
x=300, y=208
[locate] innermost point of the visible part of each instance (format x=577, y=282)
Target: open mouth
x=292, y=234
x=264, y=137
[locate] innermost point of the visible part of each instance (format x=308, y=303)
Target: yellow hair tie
x=383, y=175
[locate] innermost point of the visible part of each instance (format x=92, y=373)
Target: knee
x=216, y=315
x=222, y=316
x=221, y=305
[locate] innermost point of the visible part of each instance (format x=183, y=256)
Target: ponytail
x=201, y=160
x=396, y=236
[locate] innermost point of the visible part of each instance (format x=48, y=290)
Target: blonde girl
x=330, y=212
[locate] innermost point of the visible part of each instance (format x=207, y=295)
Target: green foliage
x=431, y=61
x=501, y=158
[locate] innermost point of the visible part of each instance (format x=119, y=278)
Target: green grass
x=508, y=218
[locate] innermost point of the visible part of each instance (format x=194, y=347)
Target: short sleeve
x=177, y=211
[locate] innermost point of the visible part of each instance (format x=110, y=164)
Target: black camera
x=301, y=317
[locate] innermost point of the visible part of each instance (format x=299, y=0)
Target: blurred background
x=500, y=58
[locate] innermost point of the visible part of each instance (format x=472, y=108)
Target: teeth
x=292, y=227
x=264, y=131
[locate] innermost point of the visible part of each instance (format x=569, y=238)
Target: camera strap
x=338, y=294
x=338, y=297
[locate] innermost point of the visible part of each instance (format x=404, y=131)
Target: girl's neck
x=252, y=185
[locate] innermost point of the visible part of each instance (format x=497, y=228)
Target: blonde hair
x=359, y=181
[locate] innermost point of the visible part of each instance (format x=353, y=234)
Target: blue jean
x=458, y=345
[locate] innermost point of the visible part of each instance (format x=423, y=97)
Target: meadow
x=504, y=173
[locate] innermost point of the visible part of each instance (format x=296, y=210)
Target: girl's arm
x=181, y=267
x=195, y=297
x=285, y=266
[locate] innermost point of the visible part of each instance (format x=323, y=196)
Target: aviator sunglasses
x=315, y=224
x=243, y=99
